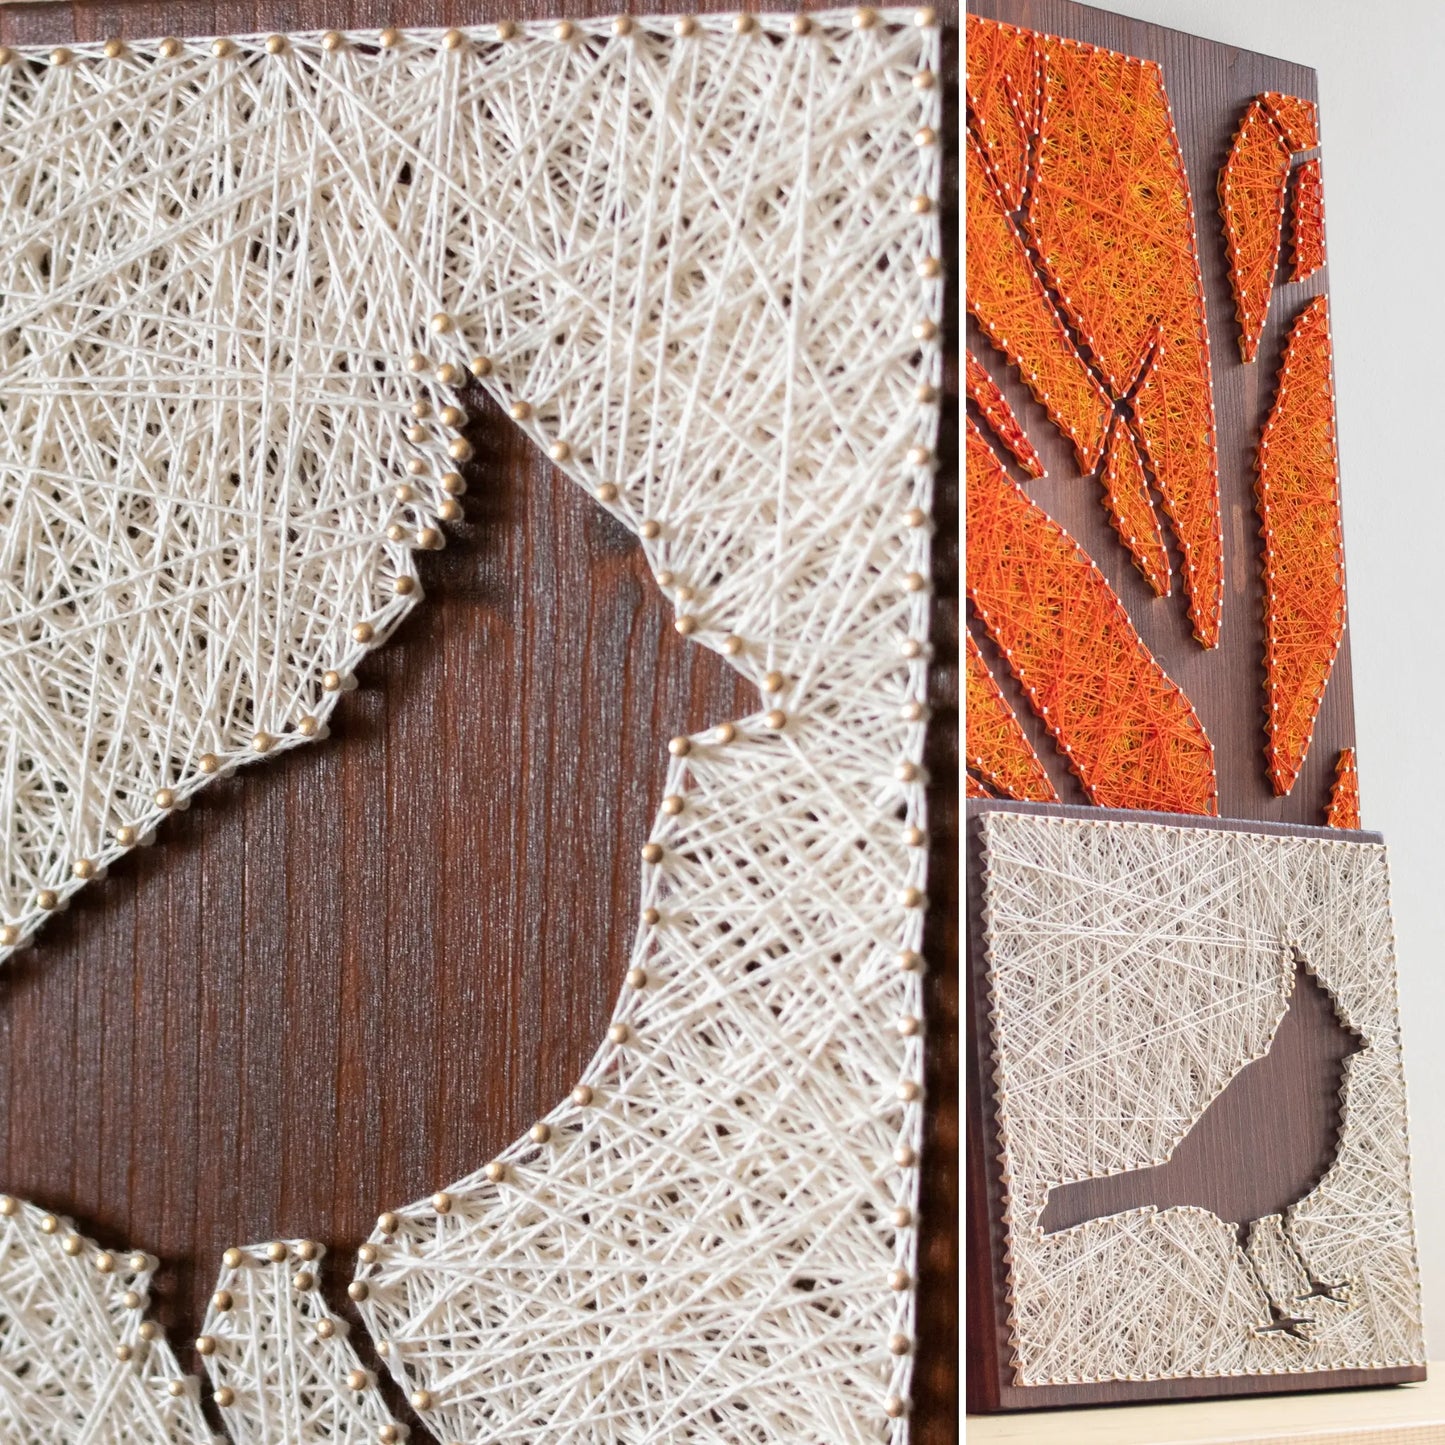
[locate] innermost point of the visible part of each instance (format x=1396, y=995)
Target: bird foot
x=1298, y=1327
x=1339, y=1291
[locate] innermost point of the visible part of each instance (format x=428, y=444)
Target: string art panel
x=1087, y=145
x=1134, y=972
x=1188, y=1109
x=234, y=354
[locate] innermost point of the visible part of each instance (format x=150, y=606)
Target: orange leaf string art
x=1307, y=221
x=993, y=406
x=973, y=788
x=1304, y=571
x=1344, y=809
x=997, y=746
x=1128, y=732
x=1298, y=120
x=1252, y=187
x=1126, y=495
x=1251, y=199
x=1110, y=218
x=1009, y=300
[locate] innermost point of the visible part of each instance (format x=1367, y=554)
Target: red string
x=1304, y=570
x=1129, y=733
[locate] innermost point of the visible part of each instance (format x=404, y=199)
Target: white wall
x=1381, y=68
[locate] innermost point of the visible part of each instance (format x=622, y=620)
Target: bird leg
x=1259, y=1242
x=1338, y=1291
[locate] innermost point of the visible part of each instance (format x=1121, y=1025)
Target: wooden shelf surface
x=1394, y=1415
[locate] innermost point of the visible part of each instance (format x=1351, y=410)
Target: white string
x=1134, y=969
x=79, y=1362
x=280, y=1360
x=698, y=262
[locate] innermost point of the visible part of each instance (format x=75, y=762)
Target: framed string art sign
x=476, y=771
x=1189, y=1164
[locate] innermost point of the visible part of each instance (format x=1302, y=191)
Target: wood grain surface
x=355, y=973
x=1209, y=85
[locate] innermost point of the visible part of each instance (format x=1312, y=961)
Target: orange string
x=1129, y=733
x=1002, y=87
x=1304, y=571
x=997, y=746
x=973, y=788
x=1010, y=303
x=1111, y=220
x=1307, y=220
x=1298, y=120
x=983, y=392
x=1251, y=200
x=1344, y=809
x=1126, y=496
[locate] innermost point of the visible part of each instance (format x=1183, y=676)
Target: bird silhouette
x=1263, y=1143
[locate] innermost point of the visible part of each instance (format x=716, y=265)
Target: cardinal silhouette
x=1263, y=1144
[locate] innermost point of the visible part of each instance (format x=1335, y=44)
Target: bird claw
x=1295, y=1326
x=1339, y=1291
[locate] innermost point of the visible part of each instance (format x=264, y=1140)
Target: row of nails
x=390, y=38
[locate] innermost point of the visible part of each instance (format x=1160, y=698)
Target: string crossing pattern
x=79, y=1360
x=1307, y=220
x=1134, y=969
x=1298, y=119
x=280, y=1361
x=998, y=748
x=1128, y=732
x=1298, y=498
x=1126, y=498
x=1009, y=300
x=1252, y=185
x=993, y=407
x=1111, y=220
x=698, y=261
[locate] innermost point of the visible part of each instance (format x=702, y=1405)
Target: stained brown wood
x=1289, y=1105
x=355, y=973
x=1209, y=87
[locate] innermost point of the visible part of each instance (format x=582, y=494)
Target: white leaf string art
x=242, y=282
x=1134, y=969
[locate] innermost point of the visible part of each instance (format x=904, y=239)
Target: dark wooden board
x=1209, y=87
x=1290, y=1109
x=355, y=973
